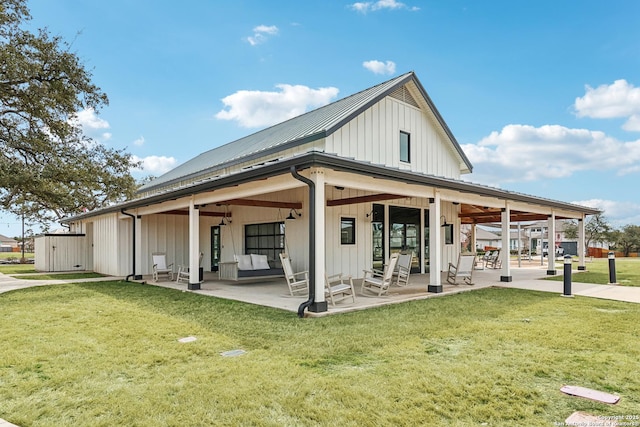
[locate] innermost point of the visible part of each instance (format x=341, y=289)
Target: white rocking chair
x=298, y=282
x=375, y=279
x=183, y=271
x=462, y=270
x=403, y=269
x=338, y=287
x=160, y=267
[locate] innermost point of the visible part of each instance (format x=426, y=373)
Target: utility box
x=62, y=252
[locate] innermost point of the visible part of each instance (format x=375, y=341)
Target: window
x=348, y=231
x=264, y=239
x=405, y=147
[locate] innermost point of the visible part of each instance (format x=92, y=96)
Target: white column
x=505, y=253
x=317, y=176
x=435, y=247
x=422, y=256
x=551, y=246
x=474, y=238
x=582, y=250
x=139, y=258
x=194, y=246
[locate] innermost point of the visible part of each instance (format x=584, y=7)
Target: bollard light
x=567, y=276
x=612, y=268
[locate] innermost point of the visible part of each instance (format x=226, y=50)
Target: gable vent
x=404, y=95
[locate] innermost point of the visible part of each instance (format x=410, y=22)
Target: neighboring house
x=7, y=244
x=487, y=239
x=371, y=174
x=536, y=236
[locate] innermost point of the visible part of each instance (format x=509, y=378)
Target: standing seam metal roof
x=305, y=128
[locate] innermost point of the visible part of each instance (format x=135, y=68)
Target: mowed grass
x=17, y=268
x=105, y=354
x=59, y=276
x=627, y=272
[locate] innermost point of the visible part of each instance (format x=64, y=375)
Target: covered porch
x=274, y=293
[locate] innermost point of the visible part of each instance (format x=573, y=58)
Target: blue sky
x=544, y=96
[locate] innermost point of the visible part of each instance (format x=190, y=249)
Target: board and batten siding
x=353, y=259
x=107, y=247
x=374, y=136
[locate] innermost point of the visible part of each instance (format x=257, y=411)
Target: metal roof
x=302, y=129
x=316, y=159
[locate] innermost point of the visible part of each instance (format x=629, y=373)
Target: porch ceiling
x=473, y=214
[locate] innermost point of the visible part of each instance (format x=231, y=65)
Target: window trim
x=408, y=159
x=352, y=222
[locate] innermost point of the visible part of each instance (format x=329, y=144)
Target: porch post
x=551, y=246
x=139, y=263
x=435, y=245
x=474, y=238
x=506, y=253
x=320, y=304
x=194, y=246
x=582, y=250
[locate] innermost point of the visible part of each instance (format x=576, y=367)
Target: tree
x=48, y=168
x=570, y=229
x=596, y=229
x=628, y=239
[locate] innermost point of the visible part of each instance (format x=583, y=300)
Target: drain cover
x=233, y=353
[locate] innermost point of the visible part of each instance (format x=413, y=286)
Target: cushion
x=259, y=262
x=244, y=262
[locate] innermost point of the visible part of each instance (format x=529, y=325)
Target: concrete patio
x=273, y=292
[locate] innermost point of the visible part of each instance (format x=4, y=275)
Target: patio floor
x=273, y=292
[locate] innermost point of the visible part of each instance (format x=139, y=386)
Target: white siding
x=374, y=136
x=63, y=252
x=353, y=259
x=105, y=247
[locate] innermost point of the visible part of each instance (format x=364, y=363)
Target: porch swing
x=246, y=267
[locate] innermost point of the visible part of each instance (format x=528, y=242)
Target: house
x=486, y=238
x=371, y=174
x=7, y=244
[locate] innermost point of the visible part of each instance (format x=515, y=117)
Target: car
x=559, y=251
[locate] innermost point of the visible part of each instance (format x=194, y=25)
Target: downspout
x=133, y=218
x=312, y=240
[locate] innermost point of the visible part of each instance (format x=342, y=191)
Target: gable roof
x=308, y=127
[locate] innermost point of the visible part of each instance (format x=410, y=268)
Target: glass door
x=404, y=233
x=426, y=241
x=377, y=236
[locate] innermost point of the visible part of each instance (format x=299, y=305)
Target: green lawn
x=60, y=276
x=17, y=268
x=105, y=354
x=627, y=272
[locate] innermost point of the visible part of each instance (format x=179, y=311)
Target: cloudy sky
x=544, y=96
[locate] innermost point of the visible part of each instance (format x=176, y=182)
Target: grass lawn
x=627, y=272
x=17, y=268
x=60, y=276
x=105, y=354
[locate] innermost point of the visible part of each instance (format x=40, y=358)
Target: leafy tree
x=596, y=230
x=570, y=229
x=628, y=239
x=48, y=168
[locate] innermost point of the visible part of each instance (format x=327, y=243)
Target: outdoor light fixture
x=370, y=214
x=444, y=224
x=225, y=220
x=291, y=212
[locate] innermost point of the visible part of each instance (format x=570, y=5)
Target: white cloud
x=91, y=124
x=261, y=33
x=617, y=213
x=258, y=108
x=139, y=142
x=379, y=67
x=368, y=6
x=617, y=100
x=155, y=164
x=527, y=153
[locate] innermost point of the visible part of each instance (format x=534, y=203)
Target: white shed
x=62, y=252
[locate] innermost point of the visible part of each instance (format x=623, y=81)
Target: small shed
x=62, y=252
